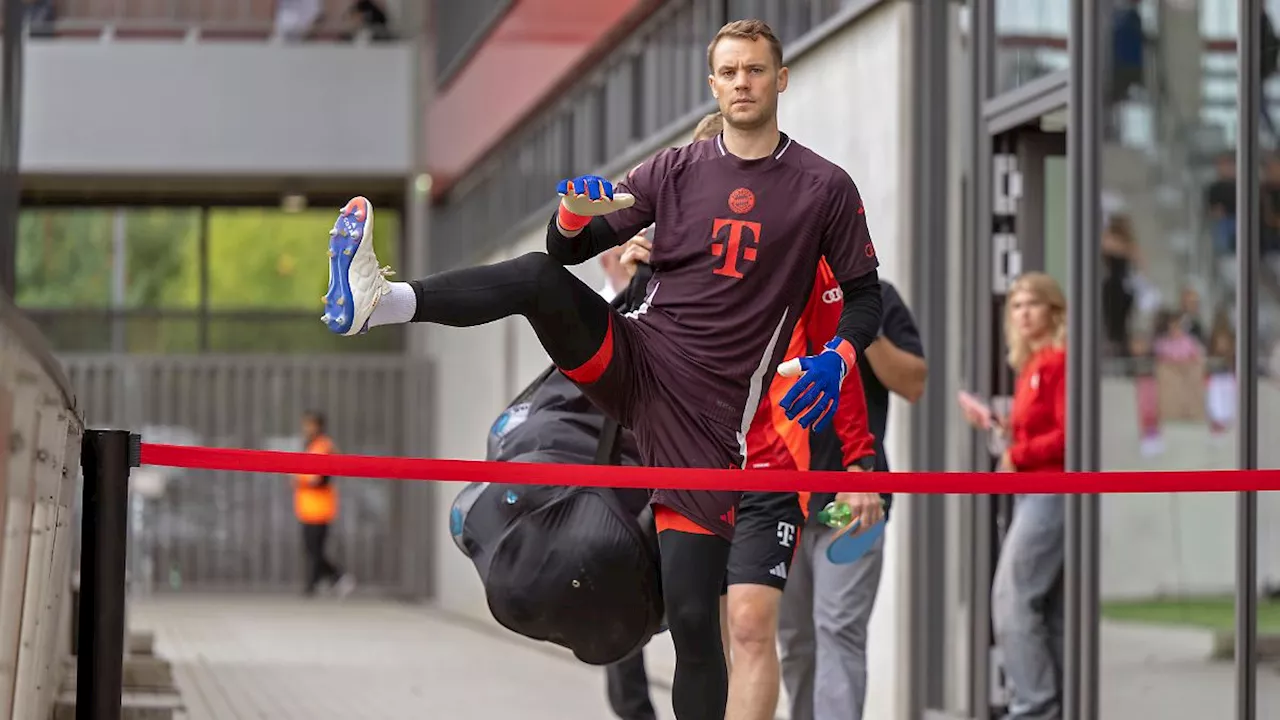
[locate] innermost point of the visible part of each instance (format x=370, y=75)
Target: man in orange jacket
x=315, y=503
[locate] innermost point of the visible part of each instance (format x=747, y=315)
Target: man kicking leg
x=687, y=371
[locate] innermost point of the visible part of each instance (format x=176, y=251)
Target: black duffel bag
x=567, y=565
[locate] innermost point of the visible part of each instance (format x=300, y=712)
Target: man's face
x=746, y=82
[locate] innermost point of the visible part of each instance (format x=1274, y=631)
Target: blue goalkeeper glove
x=817, y=392
x=585, y=197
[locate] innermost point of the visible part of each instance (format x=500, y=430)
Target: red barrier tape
x=959, y=483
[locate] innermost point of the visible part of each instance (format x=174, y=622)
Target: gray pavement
x=242, y=658
x=237, y=658
x=1160, y=672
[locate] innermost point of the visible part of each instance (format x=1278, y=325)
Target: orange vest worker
x=315, y=499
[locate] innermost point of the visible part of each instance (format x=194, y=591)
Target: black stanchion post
x=106, y=458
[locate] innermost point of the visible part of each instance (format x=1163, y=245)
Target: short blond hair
x=709, y=126
x=748, y=30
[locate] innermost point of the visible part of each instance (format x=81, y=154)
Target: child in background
x=1174, y=344
x=1148, y=390
x=1220, y=387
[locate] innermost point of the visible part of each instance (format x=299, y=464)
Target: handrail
x=105, y=29
x=191, y=18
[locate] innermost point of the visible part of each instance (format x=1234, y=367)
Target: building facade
x=994, y=137
x=1125, y=147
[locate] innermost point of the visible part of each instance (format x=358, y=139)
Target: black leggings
x=569, y=318
x=571, y=321
x=319, y=568
x=693, y=569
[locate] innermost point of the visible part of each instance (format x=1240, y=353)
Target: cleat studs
x=331, y=252
x=347, y=251
x=342, y=301
x=325, y=318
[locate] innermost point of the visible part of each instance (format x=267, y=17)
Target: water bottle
x=836, y=515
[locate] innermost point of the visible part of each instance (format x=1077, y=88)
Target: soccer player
x=767, y=532
x=745, y=220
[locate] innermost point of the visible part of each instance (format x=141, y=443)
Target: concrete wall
x=175, y=108
x=498, y=359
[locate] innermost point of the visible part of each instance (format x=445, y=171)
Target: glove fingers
x=788, y=401
x=592, y=186
x=814, y=413
x=812, y=395
x=824, y=420
x=799, y=385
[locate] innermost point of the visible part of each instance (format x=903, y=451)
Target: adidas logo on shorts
x=779, y=570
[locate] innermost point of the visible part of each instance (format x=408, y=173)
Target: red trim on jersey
x=666, y=518
x=773, y=441
x=591, y=370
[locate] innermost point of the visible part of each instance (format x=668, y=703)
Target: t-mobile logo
x=786, y=534
x=734, y=246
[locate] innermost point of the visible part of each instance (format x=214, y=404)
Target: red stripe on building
x=529, y=58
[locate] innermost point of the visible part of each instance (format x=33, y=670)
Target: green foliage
x=269, y=259
x=262, y=260
x=1215, y=613
x=64, y=259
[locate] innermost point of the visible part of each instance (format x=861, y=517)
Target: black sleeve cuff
x=861, y=314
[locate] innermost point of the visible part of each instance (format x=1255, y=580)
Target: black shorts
x=765, y=542
x=644, y=389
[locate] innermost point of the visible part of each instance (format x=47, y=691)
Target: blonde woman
x=1026, y=595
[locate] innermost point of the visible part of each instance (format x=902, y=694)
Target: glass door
x=1027, y=207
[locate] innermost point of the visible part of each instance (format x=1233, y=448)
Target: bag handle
x=609, y=451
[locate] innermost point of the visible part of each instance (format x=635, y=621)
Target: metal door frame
x=1017, y=245
x=1006, y=138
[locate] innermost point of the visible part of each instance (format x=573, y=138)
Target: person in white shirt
x=616, y=275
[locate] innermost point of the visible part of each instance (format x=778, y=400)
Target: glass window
x=1267, y=340
x=127, y=258
x=1168, y=297
x=1031, y=40
x=133, y=283
x=267, y=259
x=48, y=274
x=1057, y=250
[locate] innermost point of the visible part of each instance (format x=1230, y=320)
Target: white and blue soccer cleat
x=356, y=283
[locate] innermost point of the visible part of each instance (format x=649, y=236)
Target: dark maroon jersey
x=736, y=253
